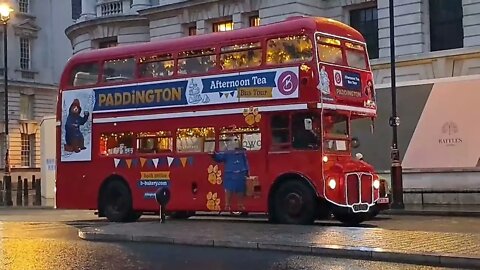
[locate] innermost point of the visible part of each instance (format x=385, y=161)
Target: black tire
x=134, y=216
x=294, y=203
x=117, y=202
x=351, y=219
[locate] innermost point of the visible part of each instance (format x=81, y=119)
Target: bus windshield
x=330, y=50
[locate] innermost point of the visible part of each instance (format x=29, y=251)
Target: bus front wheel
x=117, y=203
x=294, y=203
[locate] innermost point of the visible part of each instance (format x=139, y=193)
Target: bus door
x=295, y=144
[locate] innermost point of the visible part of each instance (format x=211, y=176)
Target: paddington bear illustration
x=73, y=136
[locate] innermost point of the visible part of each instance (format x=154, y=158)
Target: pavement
x=425, y=247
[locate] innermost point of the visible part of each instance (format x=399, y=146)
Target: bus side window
x=119, y=70
x=196, y=62
x=194, y=140
x=289, y=50
x=241, y=56
x=155, y=142
x=116, y=143
x=305, y=131
x=280, y=131
x=156, y=66
x=84, y=74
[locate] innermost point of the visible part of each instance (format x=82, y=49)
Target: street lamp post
x=396, y=168
x=5, y=11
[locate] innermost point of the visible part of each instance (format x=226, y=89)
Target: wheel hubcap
x=293, y=204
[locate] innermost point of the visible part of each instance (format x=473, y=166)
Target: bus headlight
x=325, y=159
x=332, y=183
x=376, y=184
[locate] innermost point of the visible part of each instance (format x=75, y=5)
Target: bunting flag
x=190, y=160
x=116, y=161
x=232, y=93
x=170, y=160
x=150, y=163
x=142, y=161
x=155, y=162
x=134, y=163
x=129, y=162
x=184, y=161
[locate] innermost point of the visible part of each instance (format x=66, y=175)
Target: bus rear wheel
x=117, y=203
x=294, y=203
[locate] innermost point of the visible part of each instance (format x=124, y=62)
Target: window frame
x=436, y=21
x=24, y=4
x=366, y=33
x=27, y=155
x=25, y=51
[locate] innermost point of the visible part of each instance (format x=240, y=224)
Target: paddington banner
x=79, y=105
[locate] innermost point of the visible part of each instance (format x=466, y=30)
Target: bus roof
x=290, y=25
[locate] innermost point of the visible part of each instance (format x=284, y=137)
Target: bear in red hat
x=74, y=141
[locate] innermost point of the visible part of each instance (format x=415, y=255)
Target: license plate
x=383, y=200
x=360, y=207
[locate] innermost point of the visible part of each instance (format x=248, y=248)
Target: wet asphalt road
x=52, y=243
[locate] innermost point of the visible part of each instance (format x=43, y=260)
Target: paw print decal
x=251, y=116
x=213, y=202
x=214, y=175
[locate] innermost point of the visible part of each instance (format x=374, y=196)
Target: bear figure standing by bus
x=74, y=140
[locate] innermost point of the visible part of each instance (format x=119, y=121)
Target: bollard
x=38, y=194
x=2, y=190
x=33, y=181
x=8, y=190
x=19, y=191
x=25, y=191
x=163, y=197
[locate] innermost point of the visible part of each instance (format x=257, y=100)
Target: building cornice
x=120, y=19
x=168, y=8
x=35, y=85
x=426, y=57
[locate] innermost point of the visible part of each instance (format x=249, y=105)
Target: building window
x=76, y=9
x=192, y=30
x=23, y=6
x=254, y=21
x=27, y=156
x=366, y=22
x=107, y=43
x=223, y=26
x=25, y=53
x=446, y=24
x=26, y=107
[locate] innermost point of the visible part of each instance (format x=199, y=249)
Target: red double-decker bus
x=250, y=120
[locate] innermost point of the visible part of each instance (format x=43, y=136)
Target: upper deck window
x=289, y=49
x=84, y=74
x=156, y=66
x=356, y=56
x=119, y=70
x=329, y=50
x=195, y=62
x=241, y=56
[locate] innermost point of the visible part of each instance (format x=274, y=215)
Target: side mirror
x=308, y=124
x=355, y=142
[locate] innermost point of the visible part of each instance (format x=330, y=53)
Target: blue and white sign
x=270, y=84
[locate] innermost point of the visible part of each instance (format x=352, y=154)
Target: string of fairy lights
x=188, y=139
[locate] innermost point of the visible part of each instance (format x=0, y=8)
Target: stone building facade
x=37, y=52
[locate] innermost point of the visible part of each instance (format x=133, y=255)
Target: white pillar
x=140, y=4
x=88, y=9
